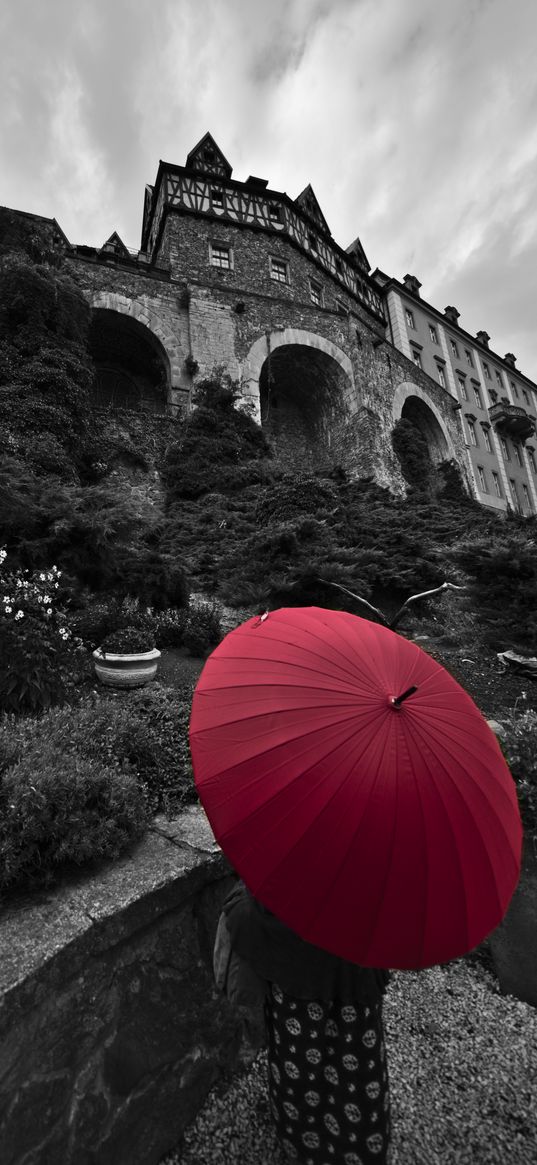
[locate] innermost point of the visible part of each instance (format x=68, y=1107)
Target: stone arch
x=149, y=319
x=131, y=367
x=302, y=389
x=268, y=343
x=413, y=402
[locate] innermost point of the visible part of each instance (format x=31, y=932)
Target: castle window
x=505, y=449
x=482, y=479
x=533, y=462
x=499, y=378
x=518, y=452
x=477, y=396
x=279, y=270
x=217, y=199
x=339, y=266
x=472, y=432
x=441, y=376
x=462, y=386
x=221, y=256
x=274, y=212
x=526, y=397
x=312, y=241
x=497, y=485
x=468, y=355
x=527, y=502
x=486, y=370
x=486, y=438
x=514, y=388
x=416, y=358
x=454, y=349
x=316, y=293
x=409, y=318
x=433, y=333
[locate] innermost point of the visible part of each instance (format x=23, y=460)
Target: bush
x=204, y=629
x=519, y=745
x=220, y=447
x=101, y=616
x=58, y=811
x=143, y=733
x=129, y=640
x=502, y=587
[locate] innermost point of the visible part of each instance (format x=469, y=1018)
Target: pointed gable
x=356, y=252
x=115, y=246
x=309, y=205
x=208, y=158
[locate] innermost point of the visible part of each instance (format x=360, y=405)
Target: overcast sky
x=414, y=120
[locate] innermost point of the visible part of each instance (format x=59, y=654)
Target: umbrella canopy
x=356, y=788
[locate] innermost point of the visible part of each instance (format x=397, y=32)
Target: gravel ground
x=462, y=1060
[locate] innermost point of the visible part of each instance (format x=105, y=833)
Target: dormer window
x=274, y=212
x=313, y=241
x=217, y=198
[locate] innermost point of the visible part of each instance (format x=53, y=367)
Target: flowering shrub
x=41, y=658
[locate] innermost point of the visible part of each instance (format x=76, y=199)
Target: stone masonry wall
x=217, y=317
x=111, y=1029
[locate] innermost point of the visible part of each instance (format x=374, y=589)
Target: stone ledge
x=111, y=1029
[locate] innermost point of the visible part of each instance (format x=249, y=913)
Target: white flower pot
x=126, y=671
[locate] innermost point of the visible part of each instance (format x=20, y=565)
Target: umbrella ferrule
x=396, y=701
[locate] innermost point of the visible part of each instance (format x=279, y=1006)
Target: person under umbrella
x=364, y=801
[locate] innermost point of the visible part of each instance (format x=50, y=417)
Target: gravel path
x=462, y=1060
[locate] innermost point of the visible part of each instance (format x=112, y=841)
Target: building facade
x=328, y=356
x=498, y=405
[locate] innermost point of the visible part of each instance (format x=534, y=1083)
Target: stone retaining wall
x=111, y=1030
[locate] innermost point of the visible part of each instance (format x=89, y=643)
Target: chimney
x=452, y=314
x=483, y=338
x=510, y=359
x=412, y=284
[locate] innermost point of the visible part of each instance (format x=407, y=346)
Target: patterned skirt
x=328, y=1080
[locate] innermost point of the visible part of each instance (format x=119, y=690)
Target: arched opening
x=131, y=365
x=302, y=395
x=422, y=417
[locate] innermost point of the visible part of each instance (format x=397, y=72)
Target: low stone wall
x=111, y=1029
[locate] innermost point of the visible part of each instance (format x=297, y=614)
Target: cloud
x=414, y=122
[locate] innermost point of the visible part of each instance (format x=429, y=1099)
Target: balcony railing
x=513, y=420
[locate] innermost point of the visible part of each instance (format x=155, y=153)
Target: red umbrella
x=356, y=788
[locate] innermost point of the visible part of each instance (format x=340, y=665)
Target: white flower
x=6, y=599
x=47, y=599
x=48, y=611
x=42, y=577
x=9, y=610
x=19, y=615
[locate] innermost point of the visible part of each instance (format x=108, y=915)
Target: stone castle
x=328, y=355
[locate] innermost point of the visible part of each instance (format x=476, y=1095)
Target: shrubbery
x=59, y=810
x=519, y=744
x=220, y=447
x=203, y=629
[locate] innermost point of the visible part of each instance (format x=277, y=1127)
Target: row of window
x=474, y=440
x=498, y=489
x=222, y=257
x=433, y=333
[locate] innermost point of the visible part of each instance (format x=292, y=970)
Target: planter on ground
x=126, y=670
